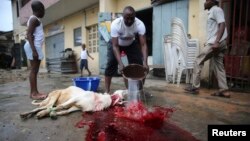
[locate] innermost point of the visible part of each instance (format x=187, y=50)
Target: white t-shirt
x=125, y=34
x=84, y=54
x=215, y=16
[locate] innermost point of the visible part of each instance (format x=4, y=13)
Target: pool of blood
x=134, y=122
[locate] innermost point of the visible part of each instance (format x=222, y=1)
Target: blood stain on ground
x=134, y=122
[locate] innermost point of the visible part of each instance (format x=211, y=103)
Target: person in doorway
x=123, y=32
x=33, y=47
x=214, y=50
x=84, y=60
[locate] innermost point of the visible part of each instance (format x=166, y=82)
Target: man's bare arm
x=144, y=50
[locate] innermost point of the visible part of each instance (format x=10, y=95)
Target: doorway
x=54, y=46
x=146, y=17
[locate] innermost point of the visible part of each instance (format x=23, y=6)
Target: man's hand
x=121, y=67
x=35, y=55
x=215, y=45
x=146, y=68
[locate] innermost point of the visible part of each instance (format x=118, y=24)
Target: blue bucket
x=87, y=83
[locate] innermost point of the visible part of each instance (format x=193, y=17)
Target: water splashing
x=133, y=90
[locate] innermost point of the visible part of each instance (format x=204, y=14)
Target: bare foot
x=38, y=96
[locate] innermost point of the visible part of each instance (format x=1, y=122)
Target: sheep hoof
x=52, y=115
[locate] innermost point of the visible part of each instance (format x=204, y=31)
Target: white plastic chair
x=187, y=49
x=170, y=58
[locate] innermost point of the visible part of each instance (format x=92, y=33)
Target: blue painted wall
x=104, y=16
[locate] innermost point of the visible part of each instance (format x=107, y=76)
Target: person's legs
x=219, y=67
x=34, y=94
x=34, y=64
x=32, y=78
x=111, y=68
x=81, y=67
x=206, y=53
x=13, y=63
x=8, y=60
x=87, y=67
x=219, y=71
x=81, y=73
x=107, y=83
x=89, y=72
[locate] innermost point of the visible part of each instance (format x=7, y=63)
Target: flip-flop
x=217, y=93
x=224, y=94
x=191, y=90
x=221, y=94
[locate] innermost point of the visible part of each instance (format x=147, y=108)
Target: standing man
x=84, y=60
x=123, y=32
x=33, y=47
x=214, y=50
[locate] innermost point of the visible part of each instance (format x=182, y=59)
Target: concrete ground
x=193, y=112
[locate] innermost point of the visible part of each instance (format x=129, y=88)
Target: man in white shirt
x=214, y=50
x=84, y=60
x=123, y=32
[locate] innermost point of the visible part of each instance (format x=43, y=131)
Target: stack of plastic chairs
x=187, y=50
x=170, y=58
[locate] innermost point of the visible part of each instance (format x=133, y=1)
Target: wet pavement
x=192, y=112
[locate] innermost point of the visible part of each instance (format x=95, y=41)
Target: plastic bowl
x=134, y=71
x=87, y=83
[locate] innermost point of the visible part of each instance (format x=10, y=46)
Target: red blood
x=138, y=112
x=133, y=123
x=101, y=136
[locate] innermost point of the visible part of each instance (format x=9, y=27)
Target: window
x=77, y=36
x=93, y=39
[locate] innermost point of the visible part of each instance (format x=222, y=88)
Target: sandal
x=192, y=90
x=217, y=93
x=224, y=94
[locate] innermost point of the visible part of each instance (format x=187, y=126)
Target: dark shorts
x=84, y=64
x=133, y=54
